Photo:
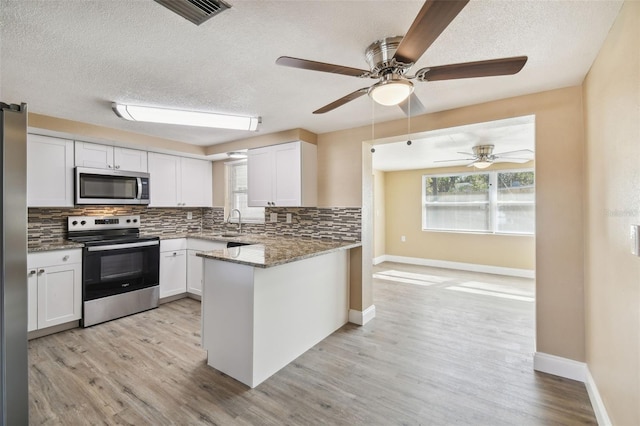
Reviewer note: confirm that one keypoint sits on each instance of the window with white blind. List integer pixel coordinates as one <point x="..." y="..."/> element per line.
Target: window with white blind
<point x="236" y="197"/>
<point x="500" y="201"/>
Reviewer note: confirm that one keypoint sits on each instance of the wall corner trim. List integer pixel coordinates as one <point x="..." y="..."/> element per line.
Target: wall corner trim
<point x="596" y="401"/>
<point x="558" y="366"/>
<point x="362" y="317"/>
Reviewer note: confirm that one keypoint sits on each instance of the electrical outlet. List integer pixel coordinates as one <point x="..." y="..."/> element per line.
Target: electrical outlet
<point x="273" y="217"/>
<point x="288" y="217"/>
<point x="403" y="238"/>
<point x="189" y="215"/>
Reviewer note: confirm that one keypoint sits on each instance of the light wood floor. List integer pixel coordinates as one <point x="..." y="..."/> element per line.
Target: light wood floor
<point x="445" y="348"/>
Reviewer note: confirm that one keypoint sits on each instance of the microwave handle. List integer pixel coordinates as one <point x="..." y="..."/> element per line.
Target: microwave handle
<point x="139" y="188"/>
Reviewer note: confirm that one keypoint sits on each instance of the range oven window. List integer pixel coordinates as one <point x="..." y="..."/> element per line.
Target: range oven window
<point x="116" y="266"/>
<point x="113" y="271"/>
<point x="109" y="187"/>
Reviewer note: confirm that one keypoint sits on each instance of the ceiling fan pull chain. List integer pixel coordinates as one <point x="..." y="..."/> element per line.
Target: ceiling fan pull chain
<point x="409" y="123"/>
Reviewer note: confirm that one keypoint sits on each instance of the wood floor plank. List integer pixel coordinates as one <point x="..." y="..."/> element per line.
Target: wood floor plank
<point x="433" y="355"/>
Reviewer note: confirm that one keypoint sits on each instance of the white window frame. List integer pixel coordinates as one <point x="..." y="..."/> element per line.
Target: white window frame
<point x="492" y="203"/>
<point x="229" y="198"/>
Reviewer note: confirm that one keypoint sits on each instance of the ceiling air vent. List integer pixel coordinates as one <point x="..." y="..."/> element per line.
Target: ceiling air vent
<point x="196" y="11"/>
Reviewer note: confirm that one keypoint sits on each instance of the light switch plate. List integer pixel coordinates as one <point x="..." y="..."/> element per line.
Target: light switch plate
<point x="273" y="217"/>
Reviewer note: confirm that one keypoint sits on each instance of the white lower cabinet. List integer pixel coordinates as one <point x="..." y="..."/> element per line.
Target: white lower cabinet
<point x="54" y="288"/>
<point x="194" y="263"/>
<point x="173" y="267"/>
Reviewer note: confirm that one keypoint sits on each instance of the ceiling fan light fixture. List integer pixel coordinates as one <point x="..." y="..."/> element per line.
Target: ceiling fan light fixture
<point x="481" y="164"/>
<point x="185" y="118"/>
<point x="391" y="91"/>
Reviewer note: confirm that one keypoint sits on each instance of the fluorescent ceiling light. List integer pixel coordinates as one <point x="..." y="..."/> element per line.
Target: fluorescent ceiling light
<point x="391" y="91"/>
<point x="237" y="155"/>
<point x="185" y="118"/>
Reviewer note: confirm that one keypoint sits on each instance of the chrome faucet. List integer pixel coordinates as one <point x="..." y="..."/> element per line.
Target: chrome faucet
<point x="239" y="219"/>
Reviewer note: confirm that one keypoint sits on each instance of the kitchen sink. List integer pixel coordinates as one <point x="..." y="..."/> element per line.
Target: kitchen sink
<point x="236" y="244"/>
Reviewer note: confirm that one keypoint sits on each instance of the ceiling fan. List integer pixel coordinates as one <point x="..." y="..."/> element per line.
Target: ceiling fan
<point x="483" y="156"/>
<point x="391" y="58"/>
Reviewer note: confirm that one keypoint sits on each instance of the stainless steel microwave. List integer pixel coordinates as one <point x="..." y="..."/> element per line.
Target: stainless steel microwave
<point x="102" y="186"/>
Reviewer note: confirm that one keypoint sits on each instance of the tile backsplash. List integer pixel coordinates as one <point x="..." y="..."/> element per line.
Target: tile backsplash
<point x="50" y="224"/>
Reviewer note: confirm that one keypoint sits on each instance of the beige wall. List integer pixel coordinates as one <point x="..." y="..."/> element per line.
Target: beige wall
<point x="612" y="281"/>
<point x="559" y="223"/>
<point x="379" y="214"/>
<point x="404" y="218"/>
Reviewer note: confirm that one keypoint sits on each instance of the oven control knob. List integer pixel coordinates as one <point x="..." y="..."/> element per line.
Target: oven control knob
<point x="74" y="223"/>
<point x="135" y="220"/>
<point x="128" y="220"/>
<point x="83" y="222"/>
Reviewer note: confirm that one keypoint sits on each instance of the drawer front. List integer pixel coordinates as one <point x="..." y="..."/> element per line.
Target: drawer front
<point x="173" y="245"/>
<point x="54" y="257"/>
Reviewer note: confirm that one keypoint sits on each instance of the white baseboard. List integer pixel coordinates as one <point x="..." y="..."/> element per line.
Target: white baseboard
<point x="362" y="317"/>
<point x="559" y="366"/>
<point x="596" y="401"/>
<point x="473" y="267"/>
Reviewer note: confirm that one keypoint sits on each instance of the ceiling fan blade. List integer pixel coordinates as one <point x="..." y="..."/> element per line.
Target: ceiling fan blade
<point x="519" y="151"/>
<point x="466" y="153"/>
<point x="493" y="67"/>
<point x="511" y="160"/>
<point x="305" y="64"/>
<point x="343" y="100"/>
<point x="431" y="21"/>
<point x="412" y="106"/>
<point x="458" y="159"/>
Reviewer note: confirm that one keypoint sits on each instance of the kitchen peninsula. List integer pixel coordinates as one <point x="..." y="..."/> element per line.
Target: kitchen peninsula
<point x="265" y="304"/>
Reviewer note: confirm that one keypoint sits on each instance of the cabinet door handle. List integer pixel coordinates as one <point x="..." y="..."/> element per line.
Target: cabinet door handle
<point x="65" y="258"/>
<point x="175" y="254"/>
<point x="118" y="166"/>
<point x="110" y="166"/>
<point x="32" y="272"/>
<point x="41" y="271"/>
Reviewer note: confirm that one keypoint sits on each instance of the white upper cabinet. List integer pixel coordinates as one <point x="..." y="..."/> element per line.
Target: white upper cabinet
<point x="196" y="182"/>
<point x="164" y="180"/>
<point x="110" y="157"/>
<point x="130" y="159"/>
<point x="283" y="175"/>
<point x="179" y="181"/>
<point x="49" y="172"/>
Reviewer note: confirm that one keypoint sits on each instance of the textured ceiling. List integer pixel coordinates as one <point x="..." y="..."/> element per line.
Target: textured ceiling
<point x="71" y="58"/>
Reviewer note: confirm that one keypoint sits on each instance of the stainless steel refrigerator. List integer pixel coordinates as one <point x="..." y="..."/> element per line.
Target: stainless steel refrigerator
<point x="14" y="391"/>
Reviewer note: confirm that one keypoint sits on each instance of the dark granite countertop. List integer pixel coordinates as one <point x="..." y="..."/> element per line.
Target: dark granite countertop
<point x="264" y="252"/>
<point x="261" y="251"/>
<point x="52" y="245"/>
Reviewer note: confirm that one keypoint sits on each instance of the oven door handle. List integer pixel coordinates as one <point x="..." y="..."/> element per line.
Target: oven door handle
<point x="123" y="246"/>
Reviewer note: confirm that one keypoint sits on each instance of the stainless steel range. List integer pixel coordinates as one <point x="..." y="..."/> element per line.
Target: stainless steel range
<point x="120" y="269"/>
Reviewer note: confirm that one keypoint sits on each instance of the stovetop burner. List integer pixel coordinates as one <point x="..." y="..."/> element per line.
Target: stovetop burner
<point x="96" y="230"/>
